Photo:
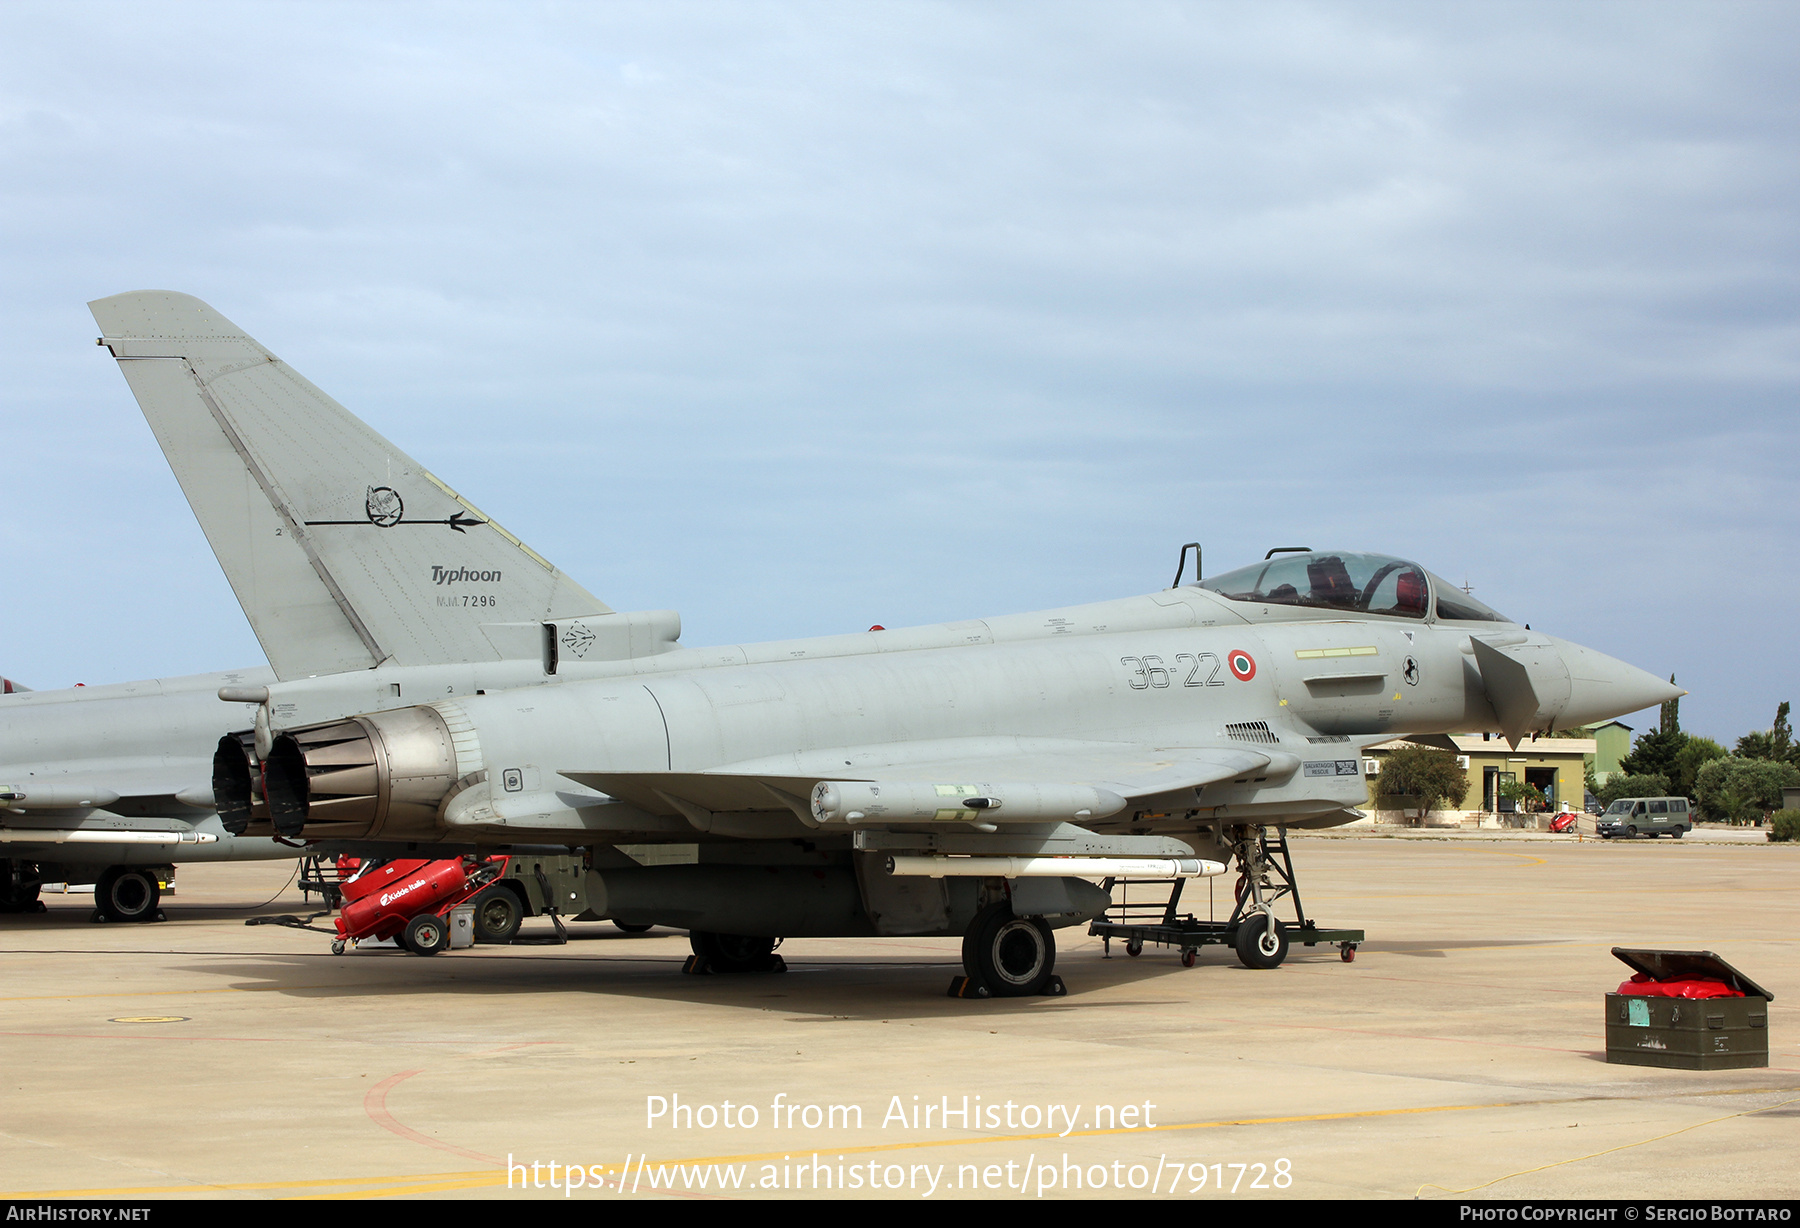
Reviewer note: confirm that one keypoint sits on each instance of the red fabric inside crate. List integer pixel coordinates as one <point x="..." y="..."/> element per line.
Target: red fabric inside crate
<point x="1641" y="986"/>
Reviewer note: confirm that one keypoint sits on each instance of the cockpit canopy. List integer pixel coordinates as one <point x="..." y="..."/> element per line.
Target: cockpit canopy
<point x="1353" y="583"/>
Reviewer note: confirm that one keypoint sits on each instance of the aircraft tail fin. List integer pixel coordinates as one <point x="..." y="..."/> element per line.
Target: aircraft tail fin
<point x="344" y="551"/>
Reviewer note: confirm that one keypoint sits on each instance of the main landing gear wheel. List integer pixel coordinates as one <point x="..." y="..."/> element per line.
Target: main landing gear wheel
<point x="634" y="929"/>
<point x="1013" y="956"/>
<point x="733" y="952"/>
<point x="1262" y="942"/>
<point x="426" y="935"/>
<point x="17" y="892"/>
<point x="125" y="893"/>
<point x="497" y="915"/>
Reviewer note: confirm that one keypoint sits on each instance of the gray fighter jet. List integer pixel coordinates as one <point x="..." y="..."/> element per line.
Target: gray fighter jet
<point x="439" y="684"/>
<point x="109" y="784"/>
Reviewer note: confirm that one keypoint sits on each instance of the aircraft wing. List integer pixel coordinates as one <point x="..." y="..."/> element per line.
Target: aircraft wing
<point x="1132" y="770"/>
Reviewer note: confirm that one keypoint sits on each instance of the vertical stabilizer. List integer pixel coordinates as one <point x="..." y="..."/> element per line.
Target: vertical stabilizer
<point x="344" y="551"/>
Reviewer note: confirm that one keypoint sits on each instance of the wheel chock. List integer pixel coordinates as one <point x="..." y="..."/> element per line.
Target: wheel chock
<point x="696" y="966"/>
<point x="1054" y="988"/>
<point x="967" y="987"/>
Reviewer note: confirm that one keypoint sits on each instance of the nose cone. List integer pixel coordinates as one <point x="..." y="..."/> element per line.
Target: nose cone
<point x="1602" y="687"/>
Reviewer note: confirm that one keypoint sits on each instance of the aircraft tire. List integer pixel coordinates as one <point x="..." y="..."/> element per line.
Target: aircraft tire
<point x="1013" y="956"/>
<point x="20" y="895"/>
<point x="732" y="952"/>
<point x="426" y="934"/>
<point x="498" y="915"/>
<point x="1252" y="952"/>
<point x="126" y="893"/>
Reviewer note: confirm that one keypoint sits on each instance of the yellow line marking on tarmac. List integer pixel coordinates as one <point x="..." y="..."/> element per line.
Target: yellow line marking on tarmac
<point x="426" y="1182"/>
<point x="1530" y="860"/>
<point x="480" y="1181"/>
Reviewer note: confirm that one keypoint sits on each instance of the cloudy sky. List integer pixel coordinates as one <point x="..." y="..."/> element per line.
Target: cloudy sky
<point x="801" y="317"/>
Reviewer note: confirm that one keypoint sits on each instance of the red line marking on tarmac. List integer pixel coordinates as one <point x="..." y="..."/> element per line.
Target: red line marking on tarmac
<point x="375" y="1105"/>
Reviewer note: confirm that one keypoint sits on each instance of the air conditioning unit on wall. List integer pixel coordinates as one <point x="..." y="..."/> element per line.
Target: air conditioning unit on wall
<point x="1462" y="761"/>
<point x="1371" y="767"/>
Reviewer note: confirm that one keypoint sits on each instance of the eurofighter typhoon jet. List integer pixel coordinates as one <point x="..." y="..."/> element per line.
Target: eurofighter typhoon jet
<point x="436" y="683"/>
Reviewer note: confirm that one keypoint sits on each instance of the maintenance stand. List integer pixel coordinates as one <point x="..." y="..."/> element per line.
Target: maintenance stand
<point x="1252" y="931"/>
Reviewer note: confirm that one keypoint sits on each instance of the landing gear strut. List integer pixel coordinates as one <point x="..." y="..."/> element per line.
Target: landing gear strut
<point x="1261" y="940"/>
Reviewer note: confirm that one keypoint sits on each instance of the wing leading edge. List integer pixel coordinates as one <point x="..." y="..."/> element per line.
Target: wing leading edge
<point x="1086" y="773"/>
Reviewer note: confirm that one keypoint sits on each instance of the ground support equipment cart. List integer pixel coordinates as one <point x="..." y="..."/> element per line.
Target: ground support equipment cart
<point x="1159" y="920"/>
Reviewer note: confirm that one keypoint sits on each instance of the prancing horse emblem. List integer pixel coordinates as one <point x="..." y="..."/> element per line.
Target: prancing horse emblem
<point x="1411" y="672"/>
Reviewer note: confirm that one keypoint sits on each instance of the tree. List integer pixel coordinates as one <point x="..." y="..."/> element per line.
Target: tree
<point x="1422" y="777"/>
<point x="1523" y="795"/>
<point x="1620" y="785"/>
<point x="1695" y="755"/>
<point x="1737" y="789"/>
<point x="1654" y="754"/>
<point x="1775" y="743"/>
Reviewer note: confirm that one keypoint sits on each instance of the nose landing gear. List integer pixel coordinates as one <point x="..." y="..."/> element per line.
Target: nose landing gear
<point x="1260" y="939"/>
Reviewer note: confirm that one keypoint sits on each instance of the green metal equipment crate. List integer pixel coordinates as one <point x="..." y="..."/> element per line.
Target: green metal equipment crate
<point x="1688" y="1033"/>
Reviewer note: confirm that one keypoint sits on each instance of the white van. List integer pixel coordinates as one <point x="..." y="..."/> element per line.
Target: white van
<point x="1646" y="816"/>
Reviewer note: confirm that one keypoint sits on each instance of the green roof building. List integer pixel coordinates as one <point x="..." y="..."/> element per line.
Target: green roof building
<point x="1612" y="742"/>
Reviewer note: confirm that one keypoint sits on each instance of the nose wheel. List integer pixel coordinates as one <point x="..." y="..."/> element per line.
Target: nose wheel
<point x="1262" y="942"/>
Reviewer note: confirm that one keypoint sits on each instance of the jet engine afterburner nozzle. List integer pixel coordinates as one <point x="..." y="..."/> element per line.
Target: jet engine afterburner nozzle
<point x="231" y="783"/>
<point x="379" y="776"/>
<point x="285" y="786"/>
